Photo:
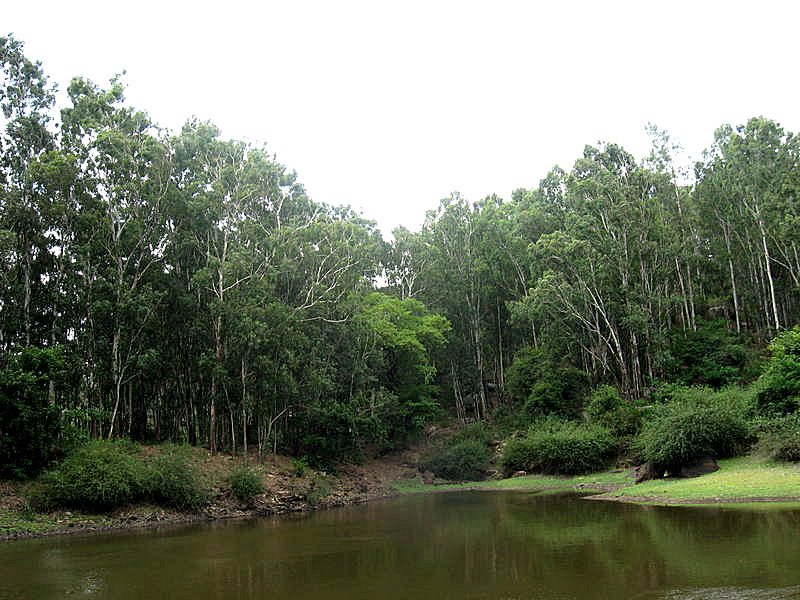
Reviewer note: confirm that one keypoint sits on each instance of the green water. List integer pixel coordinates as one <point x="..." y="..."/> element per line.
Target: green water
<point x="503" y="545"/>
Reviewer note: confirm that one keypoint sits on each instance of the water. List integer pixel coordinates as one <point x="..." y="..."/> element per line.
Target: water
<point x="499" y="545"/>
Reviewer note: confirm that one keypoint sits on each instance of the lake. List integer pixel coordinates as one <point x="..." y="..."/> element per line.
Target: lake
<point x="499" y="545"/>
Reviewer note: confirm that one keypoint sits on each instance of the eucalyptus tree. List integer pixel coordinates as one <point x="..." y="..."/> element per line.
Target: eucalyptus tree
<point x="126" y="171"/>
<point x="225" y="189"/>
<point x="26" y="98"/>
<point x="747" y="189"/>
<point x="609" y="267"/>
<point x="456" y="280"/>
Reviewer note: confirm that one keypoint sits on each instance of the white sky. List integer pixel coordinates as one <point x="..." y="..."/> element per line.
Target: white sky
<point x="390" y="106"/>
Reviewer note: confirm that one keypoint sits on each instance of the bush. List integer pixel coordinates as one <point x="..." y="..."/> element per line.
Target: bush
<point x="321" y="487"/>
<point x="779" y="439"/>
<point x="780" y="383"/>
<point x="29" y="423"/>
<point x="529" y="366"/>
<point x="170" y="481"/>
<point x="300" y="466"/>
<point x="464" y="460"/>
<point x="545" y="388"/>
<point x="607" y="408"/>
<point x="245" y="484"/>
<point x="559" y="393"/>
<point x="99" y="476"/>
<point x="565" y="448"/>
<point x="102" y="476"/>
<point x="711" y="355"/>
<point x="700" y="423"/>
<point x="476" y="432"/>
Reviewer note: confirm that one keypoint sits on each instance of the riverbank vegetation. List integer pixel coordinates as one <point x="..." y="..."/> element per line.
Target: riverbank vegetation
<point x="178" y="287"/>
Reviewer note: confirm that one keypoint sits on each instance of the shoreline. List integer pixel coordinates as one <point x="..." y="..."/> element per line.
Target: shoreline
<point x="739" y="481"/>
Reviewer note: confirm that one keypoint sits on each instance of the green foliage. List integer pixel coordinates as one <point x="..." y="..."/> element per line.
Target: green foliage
<point x="780" y="382"/>
<point x="171" y="481"/>
<point x="320" y="488"/>
<point x="99" y="476"/>
<point x="300" y="466"/>
<point x="166" y="263"/>
<point x="401" y="336"/>
<point x="697" y="422"/>
<point x="103" y="475"/>
<point x="464" y="460"/>
<point x="608" y="408"/>
<point x="245" y="484"/>
<point x="29" y="423"/>
<point x="475" y="432"/>
<point x="530" y="365"/>
<point x="545" y="388"/>
<point x="509" y="418"/>
<point x="560" y="392"/>
<point x="329" y="430"/>
<point x="711" y="355"/>
<point x="779" y="438"/>
<point x="559" y="447"/>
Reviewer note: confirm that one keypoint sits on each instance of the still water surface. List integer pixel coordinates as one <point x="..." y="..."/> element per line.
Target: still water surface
<point x="499" y="545"/>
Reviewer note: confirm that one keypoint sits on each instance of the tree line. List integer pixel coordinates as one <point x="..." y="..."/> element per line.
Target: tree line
<point x="184" y="286"/>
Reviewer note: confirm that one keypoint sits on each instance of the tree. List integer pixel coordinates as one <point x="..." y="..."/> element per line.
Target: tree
<point x="29" y="419"/>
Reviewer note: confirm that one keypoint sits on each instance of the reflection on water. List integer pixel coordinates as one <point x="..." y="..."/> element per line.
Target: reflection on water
<point x="734" y="593"/>
<point x="510" y="545"/>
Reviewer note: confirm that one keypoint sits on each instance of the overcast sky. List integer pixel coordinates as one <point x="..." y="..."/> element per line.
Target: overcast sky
<point x="391" y="106"/>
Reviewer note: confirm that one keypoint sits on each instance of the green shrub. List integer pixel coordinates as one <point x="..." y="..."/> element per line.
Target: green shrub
<point x="464" y="460"/>
<point x="608" y="408"/>
<point x="545" y="388"/>
<point x="508" y="419"/>
<point x="710" y="355"/>
<point x="780" y="382"/>
<point x="698" y="424"/>
<point x="300" y="466"/>
<point x="99" y="476"/>
<point x="102" y="476"/>
<point x="170" y="481"/>
<point x="565" y="448"/>
<point x="529" y="366"/>
<point x="561" y="393"/>
<point x="779" y="438"/>
<point x="476" y="432"/>
<point x="321" y="488"/>
<point x="245" y="484"/>
<point x="29" y="422"/>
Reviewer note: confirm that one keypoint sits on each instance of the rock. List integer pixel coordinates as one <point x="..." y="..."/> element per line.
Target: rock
<point x="645" y="472"/>
<point x="520" y="474"/>
<point x="704" y="466"/>
<point x="427" y="478"/>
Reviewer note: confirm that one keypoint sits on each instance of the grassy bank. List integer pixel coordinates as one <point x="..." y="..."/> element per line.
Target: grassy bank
<point x="604" y="480"/>
<point x="740" y="479"/>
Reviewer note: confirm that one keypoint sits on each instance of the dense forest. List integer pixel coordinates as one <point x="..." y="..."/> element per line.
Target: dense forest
<point x="181" y="286"/>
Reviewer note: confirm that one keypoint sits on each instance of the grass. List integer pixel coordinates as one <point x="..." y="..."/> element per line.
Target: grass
<point x="528" y="482"/>
<point x="738" y="478"/>
<point x="14" y="523"/>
